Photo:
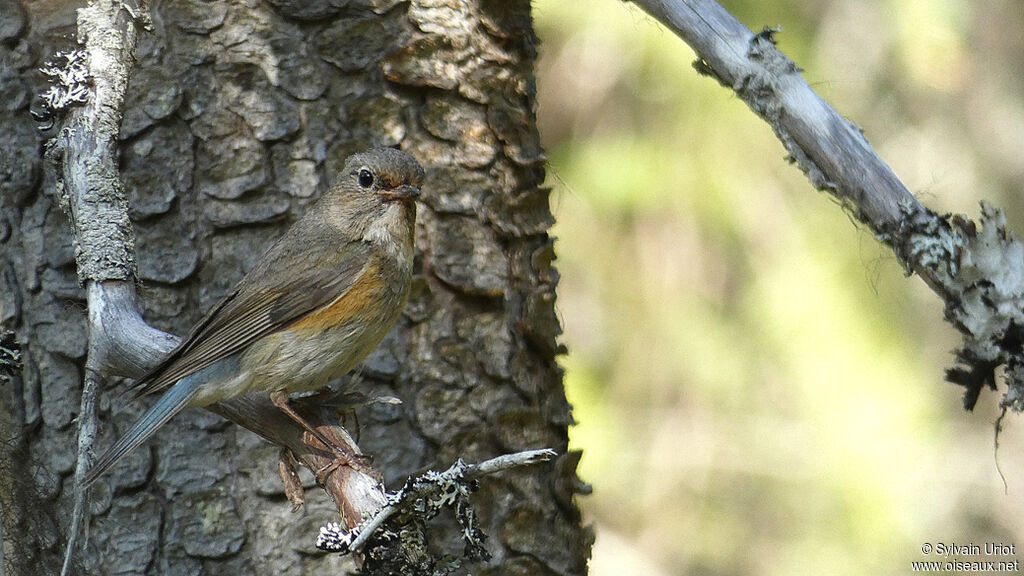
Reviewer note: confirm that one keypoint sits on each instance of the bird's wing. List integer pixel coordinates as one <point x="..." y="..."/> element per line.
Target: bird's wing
<point x="265" y="301"/>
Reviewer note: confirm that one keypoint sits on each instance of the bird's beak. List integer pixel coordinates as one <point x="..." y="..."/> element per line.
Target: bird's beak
<point x="403" y="192"/>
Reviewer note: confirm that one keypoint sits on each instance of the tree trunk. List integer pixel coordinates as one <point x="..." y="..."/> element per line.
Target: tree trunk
<point x="238" y="115"/>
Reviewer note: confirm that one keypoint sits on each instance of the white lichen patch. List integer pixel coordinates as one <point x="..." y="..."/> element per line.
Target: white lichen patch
<point x="70" y="84"/>
<point x="981" y="271"/>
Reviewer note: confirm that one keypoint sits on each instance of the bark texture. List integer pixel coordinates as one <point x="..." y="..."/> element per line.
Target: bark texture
<point x="238" y="115"/>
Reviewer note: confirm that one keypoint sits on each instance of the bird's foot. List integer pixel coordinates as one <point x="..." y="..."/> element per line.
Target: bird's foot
<point x="359" y="462"/>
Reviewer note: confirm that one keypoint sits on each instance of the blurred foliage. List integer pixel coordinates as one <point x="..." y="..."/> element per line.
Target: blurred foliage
<point x="759" y="389"/>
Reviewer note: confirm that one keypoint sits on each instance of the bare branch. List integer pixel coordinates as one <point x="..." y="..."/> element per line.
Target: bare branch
<point x="121" y="343"/>
<point x="829" y="149"/>
<point x="91" y="191"/>
<point x="978" y="271"/>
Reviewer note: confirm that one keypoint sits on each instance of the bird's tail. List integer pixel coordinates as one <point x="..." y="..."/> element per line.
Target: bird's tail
<point x="176" y="398"/>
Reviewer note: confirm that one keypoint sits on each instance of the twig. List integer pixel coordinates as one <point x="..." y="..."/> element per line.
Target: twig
<point x="431" y="491"/>
<point x="86" y="435"/>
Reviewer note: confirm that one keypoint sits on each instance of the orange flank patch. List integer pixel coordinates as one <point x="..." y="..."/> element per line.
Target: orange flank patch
<point x="357" y="301"/>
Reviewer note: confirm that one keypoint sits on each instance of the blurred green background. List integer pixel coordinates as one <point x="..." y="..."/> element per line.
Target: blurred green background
<point x="758" y="387"/>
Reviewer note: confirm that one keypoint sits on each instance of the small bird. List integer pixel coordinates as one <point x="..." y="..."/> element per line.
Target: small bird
<point x="317" y="303"/>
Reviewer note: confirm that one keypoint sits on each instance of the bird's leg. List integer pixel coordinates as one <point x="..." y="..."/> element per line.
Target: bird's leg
<point x="343" y="457"/>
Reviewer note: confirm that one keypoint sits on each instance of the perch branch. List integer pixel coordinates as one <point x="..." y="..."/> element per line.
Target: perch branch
<point x="424" y="495"/>
<point x="978" y="271"/>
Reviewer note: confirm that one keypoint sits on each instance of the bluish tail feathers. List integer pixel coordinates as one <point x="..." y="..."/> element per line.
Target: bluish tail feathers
<point x="176" y="398"/>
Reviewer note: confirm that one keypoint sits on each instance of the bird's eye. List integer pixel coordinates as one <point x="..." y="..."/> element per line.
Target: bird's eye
<point x="365" y="178"/>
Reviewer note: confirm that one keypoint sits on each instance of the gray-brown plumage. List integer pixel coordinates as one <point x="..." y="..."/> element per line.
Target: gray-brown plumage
<point x="319" y="301"/>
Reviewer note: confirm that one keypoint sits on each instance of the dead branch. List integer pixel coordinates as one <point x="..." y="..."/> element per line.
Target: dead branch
<point x="977" y="269"/>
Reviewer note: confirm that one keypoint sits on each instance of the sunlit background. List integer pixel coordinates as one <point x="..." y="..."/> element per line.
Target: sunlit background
<point x="758" y="387"/>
